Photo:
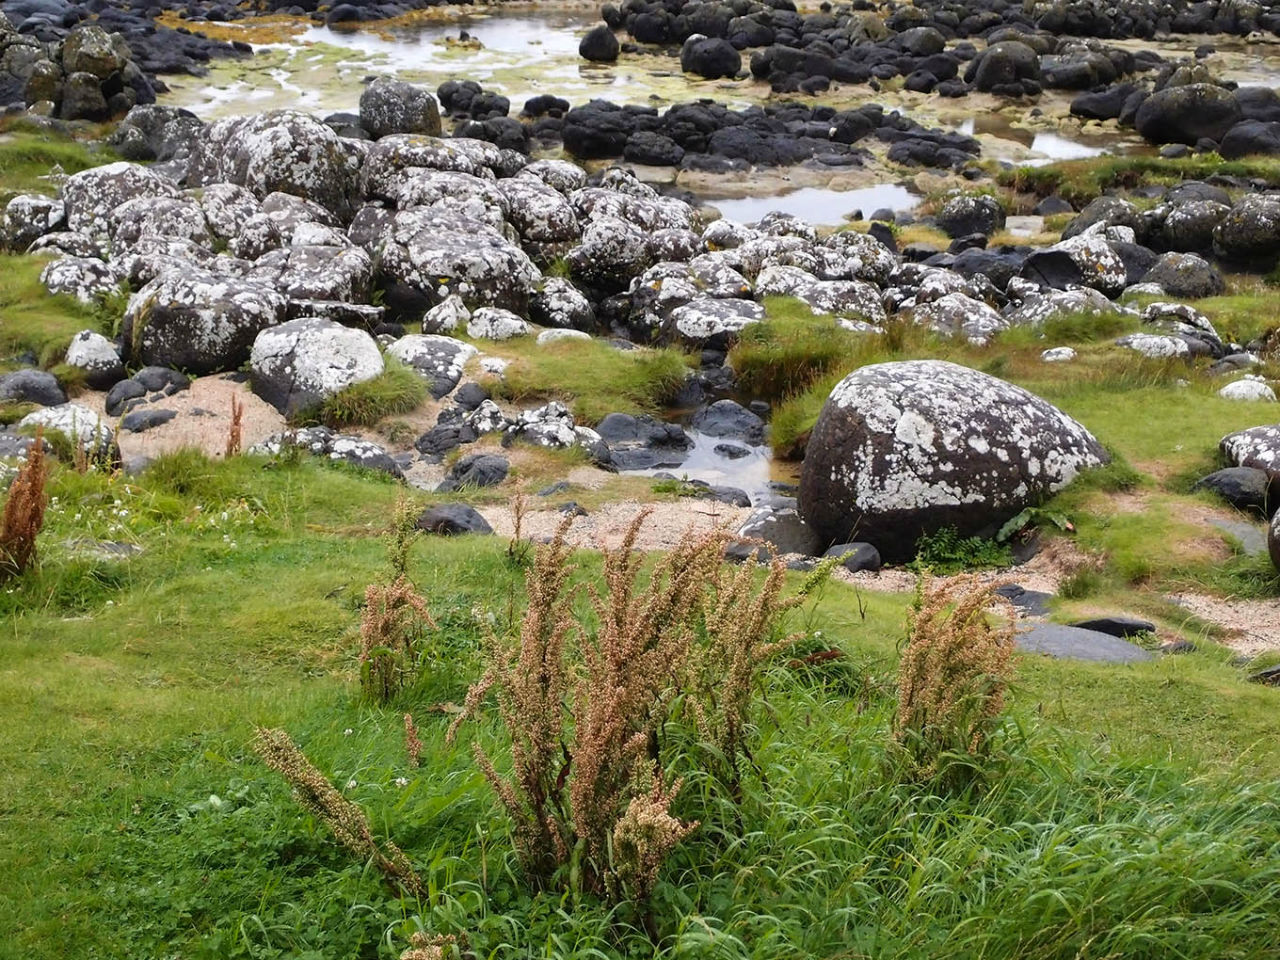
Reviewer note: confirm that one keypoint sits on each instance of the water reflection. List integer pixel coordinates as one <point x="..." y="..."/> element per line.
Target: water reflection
<point x="825" y="207"/>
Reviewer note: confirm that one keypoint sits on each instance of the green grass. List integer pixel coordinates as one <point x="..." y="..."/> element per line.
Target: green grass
<point x="1132" y="812"/>
<point x="591" y="377"/>
<point x="790" y="350"/>
<point x="28" y="154"/>
<point x="1079" y="181"/>
<point x="394" y="391"/>
<point x="31" y="319"/>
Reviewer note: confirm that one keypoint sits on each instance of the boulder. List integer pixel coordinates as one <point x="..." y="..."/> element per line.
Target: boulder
<point x="731" y="420"/>
<point x="710" y="57"/>
<point x="1250" y="230"/>
<point x="1186" y="275"/>
<point x="643" y="443"/>
<point x="963" y="216"/>
<point x="452" y="519"/>
<point x="1273" y="540"/>
<point x="474" y="471"/>
<point x="437" y="359"/>
<point x="32" y="386"/>
<point x="28" y="218"/>
<point x="284" y="151"/>
<point x="199" y="321"/>
<point x="855" y="556"/>
<point x="78" y="424"/>
<point x="907" y="448"/>
<point x="1257" y="447"/>
<point x="390" y="106"/>
<point x="298" y="365"/>
<point x="1245" y="488"/>
<point x="599" y="45"/>
<point x="97" y="357"/>
<point x="1249" y="138"/>
<point x="1187" y="114"/>
<point x="91" y="195"/>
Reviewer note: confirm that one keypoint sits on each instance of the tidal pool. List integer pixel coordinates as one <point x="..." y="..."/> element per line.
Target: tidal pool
<point x="751" y="473"/>
<point x="824" y="207"/>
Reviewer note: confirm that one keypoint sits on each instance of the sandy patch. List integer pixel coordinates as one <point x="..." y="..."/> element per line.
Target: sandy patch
<point x="205" y="430"/>
<point x="605" y="527"/>
<point x="1252" y="626"/>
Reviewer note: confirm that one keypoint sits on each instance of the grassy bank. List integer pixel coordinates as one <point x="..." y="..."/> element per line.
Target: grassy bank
<point x="1123" y="818"/>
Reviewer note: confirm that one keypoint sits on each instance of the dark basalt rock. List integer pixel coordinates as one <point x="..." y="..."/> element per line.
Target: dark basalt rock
<point x="452" y="519"/>
<point x="903" y="449"/>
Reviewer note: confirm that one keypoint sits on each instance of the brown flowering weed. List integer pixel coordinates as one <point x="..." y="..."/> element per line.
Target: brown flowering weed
<point x="24" y="512"/>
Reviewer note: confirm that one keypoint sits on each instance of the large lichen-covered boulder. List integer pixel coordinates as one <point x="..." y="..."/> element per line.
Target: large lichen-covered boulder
<point x="300" y="364"/>
<point x="283" y="151"/>
<point x="1257" y="447"/>
<point x="317" y="273"/>
<point x="390" y="106"/>
<point x="199" y="321"/>
<point x="90" y="196"/>
<point x="439" y="253"/>
<point x="908" y="448"/>
<point x="27" y="218"/>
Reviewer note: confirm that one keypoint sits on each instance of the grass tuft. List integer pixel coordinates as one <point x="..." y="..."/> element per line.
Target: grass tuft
<point x="396" y="390"/>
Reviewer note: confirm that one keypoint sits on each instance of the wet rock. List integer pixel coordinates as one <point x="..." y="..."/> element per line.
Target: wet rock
<point x="599" y="45"/>
<point x="710" y="57"/>
<point x="643" y="443"/>
<point x="97" y="357"/>
<point x="730" y="420"/>
<point x="452" y="519"/>
<point x="475" y="471"/>
<point x="298" y="365"/>
<point x="902" y="449"/>
<point x="32" y="386"/>
<point x="390" y="106"/>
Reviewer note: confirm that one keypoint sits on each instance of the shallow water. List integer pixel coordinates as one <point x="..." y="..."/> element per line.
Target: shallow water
<point x="824" y="207"/>
<point x="1040" y="146"/>
<point x="751" y="473"/>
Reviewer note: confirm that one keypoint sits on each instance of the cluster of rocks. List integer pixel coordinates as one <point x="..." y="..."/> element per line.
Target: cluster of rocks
<point x="1186" y="108"/>
<point x="88" y="75"/>
<point x="701" y="135"/>
<point x="806" y="53"/>
<point x="145" y="48"/>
